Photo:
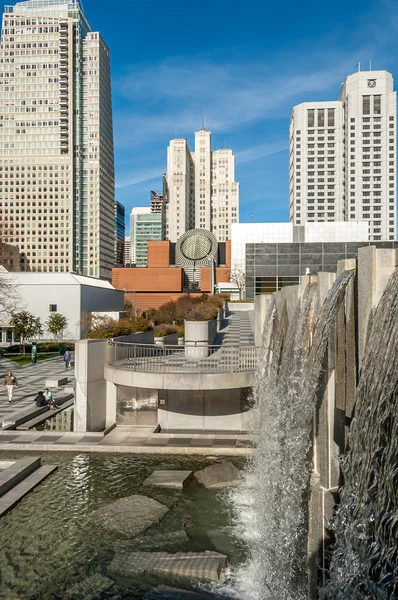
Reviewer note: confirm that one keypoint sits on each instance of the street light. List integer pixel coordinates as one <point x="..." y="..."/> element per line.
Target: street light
<point x="212" y="262"/>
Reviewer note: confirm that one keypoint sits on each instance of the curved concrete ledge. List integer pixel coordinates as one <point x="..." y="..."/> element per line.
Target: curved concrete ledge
<point x="178" y="381"/>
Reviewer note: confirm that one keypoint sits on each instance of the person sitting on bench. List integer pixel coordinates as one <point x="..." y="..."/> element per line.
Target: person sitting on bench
<point x="49" y="399"/>
<point x="40" y="400"/>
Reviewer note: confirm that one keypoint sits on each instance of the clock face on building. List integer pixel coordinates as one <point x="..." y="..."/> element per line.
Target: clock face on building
<point x="196" y="247"/>
<point x="371" y="82"/>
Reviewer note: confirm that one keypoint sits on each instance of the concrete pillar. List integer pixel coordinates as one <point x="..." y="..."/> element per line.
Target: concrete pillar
<point x="90" y="395"/>
<point x="111" y="399"/>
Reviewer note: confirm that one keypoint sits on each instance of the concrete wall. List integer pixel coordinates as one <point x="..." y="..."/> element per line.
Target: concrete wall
<point x="241" y="306"/>
<point x="141" y="337"/>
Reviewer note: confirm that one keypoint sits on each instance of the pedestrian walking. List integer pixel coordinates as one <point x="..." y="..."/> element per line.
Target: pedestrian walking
<point x="67" y="358"/>
<point x="10" y="381"/>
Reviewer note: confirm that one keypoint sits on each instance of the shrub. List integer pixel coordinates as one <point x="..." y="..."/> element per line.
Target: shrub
<point x="164" y="329"/>
<point x="180" y="330"/>
<point x="109" y="328"/>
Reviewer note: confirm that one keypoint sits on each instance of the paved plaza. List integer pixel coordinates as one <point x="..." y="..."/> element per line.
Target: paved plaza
<point x="31" y="379"/>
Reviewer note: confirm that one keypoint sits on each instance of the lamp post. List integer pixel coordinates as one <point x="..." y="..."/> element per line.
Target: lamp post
<point x="212" y="262"/>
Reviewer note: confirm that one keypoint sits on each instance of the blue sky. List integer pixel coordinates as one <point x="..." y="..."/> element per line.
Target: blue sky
<point x="249" y="63"/>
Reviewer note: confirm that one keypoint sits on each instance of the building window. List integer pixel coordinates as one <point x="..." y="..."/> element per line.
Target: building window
<point x="321" y="117"/>
<point x="53" y="308"/>
<point x="330" y="117"/>
<point x="376" y="105"/>
<point x="366" y="105"/>
<point x="311" y="117"/>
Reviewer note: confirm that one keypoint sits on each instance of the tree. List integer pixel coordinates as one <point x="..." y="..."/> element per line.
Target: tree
<point x="56" y="324"/>
<point x="9" y="297"/>
<point x="239" y="279"/>
<point x="26" y="326"/>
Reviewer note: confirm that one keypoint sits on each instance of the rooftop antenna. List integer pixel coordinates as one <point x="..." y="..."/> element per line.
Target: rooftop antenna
<point x="359" y="66"/>
<point x="370" y="64"/>
<point x="203" y="116"/>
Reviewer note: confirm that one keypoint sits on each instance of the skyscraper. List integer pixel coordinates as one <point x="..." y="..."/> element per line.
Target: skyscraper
<point x="56" y="138"/>
<point x="146" y="224"/>
<point x="200" y="190"/>
<point x="343" y="156"/>
<point x="120" y="229"/>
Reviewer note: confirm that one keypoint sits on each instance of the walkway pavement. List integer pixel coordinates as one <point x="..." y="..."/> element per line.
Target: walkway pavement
<point x="121" y="440"/>
<point x="31" y="379"/>
<point x="238" y="330"/>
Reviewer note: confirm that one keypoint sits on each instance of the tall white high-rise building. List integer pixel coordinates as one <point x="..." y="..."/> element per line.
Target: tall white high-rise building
<point x="200" y="190"/>
<point x="56" y="138"/>
<point x="343" y="156"/>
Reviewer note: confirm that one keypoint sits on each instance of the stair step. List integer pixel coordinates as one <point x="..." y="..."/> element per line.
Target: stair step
<point x="22" y="489"/>
<point x="17" y="472"/>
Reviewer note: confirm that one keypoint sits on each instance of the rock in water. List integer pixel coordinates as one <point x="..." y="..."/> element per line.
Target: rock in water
<point x="203" y="566"/>
<point x="92" y="586"/>
<point x="164" y="592"/>
<point x="130" y="515"/>
<point x="169" y="479"/>
<point x="220" y="475"/>
<point x="172" y="541"/>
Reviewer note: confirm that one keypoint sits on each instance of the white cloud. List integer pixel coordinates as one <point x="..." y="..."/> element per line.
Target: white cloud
<point x="135" y="177"/>
<point x="259" y="151"/>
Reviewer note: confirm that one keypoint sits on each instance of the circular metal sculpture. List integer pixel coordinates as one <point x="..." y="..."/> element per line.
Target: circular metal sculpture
<point x="196" y="247"/>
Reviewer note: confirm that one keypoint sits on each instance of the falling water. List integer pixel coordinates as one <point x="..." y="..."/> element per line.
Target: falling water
<point x="271" y="509"/>
<point x="365" y="560"/>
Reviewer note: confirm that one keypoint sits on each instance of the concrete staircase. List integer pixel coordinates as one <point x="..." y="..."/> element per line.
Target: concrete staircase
<point x="18" y="478"/>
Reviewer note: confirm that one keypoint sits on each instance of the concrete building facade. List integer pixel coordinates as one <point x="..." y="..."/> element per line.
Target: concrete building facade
<point x="287" y="233"/>
<point x="127" y="250"/>
<point x="74" y="296"/>
<point x="56" y="139"/>
<point x="200" y="190"/>
<point x="272" y="267"/>
<point x="343" y="156"/>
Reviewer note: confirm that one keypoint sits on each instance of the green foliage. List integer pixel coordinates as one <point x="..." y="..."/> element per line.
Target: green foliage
<point x="190" y="308"/>
<point x="26" y="326"/>
<point x="41" y="347"/>
<point x="26" y="360"/>
<point x="56" y="324"/>
<point x="109" y="328"/>
<point x="164" y="329"/>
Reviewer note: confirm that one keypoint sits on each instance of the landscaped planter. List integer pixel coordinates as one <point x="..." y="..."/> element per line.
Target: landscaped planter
<point x="167" y="340"/>
<point x="141" y="337"/>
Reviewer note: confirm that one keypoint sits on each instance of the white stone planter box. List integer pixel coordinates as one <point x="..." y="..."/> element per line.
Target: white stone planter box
<point x="198" y="336"/>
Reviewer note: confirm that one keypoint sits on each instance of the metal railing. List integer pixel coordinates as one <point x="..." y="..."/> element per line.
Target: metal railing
<point x="181" y="359"/>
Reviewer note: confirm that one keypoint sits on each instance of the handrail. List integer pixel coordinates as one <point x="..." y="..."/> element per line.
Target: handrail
<point x="199" y="358"/>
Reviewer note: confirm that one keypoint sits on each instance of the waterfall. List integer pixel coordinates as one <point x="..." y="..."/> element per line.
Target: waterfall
<point x="270" y="510"/>
<point x="365" y="560"/>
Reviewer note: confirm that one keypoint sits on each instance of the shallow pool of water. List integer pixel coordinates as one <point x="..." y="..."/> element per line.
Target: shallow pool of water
<point x="49" y="541"/>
